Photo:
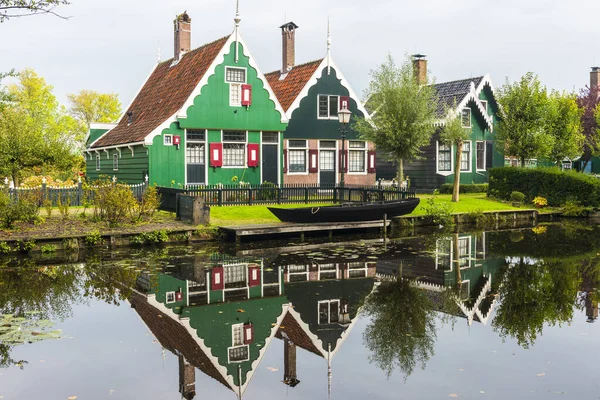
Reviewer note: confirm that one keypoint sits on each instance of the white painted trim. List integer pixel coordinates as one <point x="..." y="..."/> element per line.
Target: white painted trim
<point x="132" y="149"/>
<point x="467" y="171"/>
<point x="366" y="161"/>
<point x="167" y="297"/>
<point x="313" y="80"/>
<point x="229" y="142"/>
<point x="128" y="145"/>
<point x="437" y="161"/>
<point x="328" y="117"/>
<point x="168" y="135"/>
<point x="473" y="95"/>
<point x="98" y="162"/>
<point x="117" y="161"/>
<point x="107" y="153"/>
<point x="306" y="157"/>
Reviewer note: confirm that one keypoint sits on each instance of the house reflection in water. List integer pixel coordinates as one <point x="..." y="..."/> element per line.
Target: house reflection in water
<point x="223" y="318"/>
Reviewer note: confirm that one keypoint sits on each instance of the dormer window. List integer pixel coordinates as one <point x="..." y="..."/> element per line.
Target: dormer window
<point x="484" y="103"/>
<point x="328" y="106"/>
<point x="236" y="77"/>
<point x="466" y="117"/>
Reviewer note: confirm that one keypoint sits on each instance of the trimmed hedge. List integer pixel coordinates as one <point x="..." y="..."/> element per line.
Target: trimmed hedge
<point x="555" y="185"/>
<point x="446" y="188"/>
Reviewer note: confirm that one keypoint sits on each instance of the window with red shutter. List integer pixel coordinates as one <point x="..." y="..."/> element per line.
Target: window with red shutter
<point x="216" y="154"/>
<point x="252" y="155"/>
<point x="246" y="95"/>
<point x="313" y="161"/>
<point x="371" y="162"/>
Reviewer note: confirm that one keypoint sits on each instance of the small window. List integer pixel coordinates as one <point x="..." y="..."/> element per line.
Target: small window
<point x="356" y="157"/>
<point x="328" y="106"/>
<point x="334" y="101"/>
<point x="170" y="297"/>
<point x="270" y="137"/>
<point x="115" y="162"/>
<point x="444" y="157"/>
<point x="329" y="311"/>
<point x="484" y="103"/>
<point x="168" y="140"/>
<point x="297" y="160"/>
<point x="327" y="144"/>
<point x="466" y="117"/>
<point x="234" y="149"/>
<point x="356" y="145"/>
<point x="238" y="354"/>
<point x="97" y="162"/>
<point x="297" y="143"/>
<point x="480" y="156"/>
<point x="465" y="157"/>
<point x="237" y="335"/>
<point x="235" y="94"/>
<point x="235" y="75"/>
<point x="196" y="135"/>
<point x="234" y="136"/>
<point x="323" y="107"/>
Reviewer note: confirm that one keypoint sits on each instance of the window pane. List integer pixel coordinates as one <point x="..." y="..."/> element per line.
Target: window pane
<point x="465" y="157"/>
<point x="234" y="154"/>
<point x="235" y="94"/>
<point x="327" y="144"/>
<point x="297" y="143"/>
<point x="466" y="117"/>
<point x="270" y="137"/>
<point x="235" y="75"/>
<point x="196" y="135"/>
<point x="323" y="313"/>
<point x="334" y="308"/>
<point x="356" y="145"/>
<point x="327" y="160"/>
<point x="195" y="153"/>
<point x="297" y="161"/>
<point x="323" y="113"/>
<point x="115" y="162"/>
<point x="480" y="155"/>
<point x="238" y="335"/>
<point x="238" y="353"/>
<point x="234" y="136"/>
<point x="444" y="157"/>
<point x="356" y="161"/>
<point x="334" y="102"/>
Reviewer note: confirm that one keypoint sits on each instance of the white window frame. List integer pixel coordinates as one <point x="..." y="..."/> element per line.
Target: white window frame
<point x="461" y="117"/>
<point x="245" y="143"/>
<point x="306" y="156"/>
<point x="470" y="169"/>
<point x="236" y="86"/>
<point x="237" y="346"/>
<point x="437" y="160"/>
<point x="484" y="155"/>
<point x="98" y="162"/>
<point x="167" y="297"/>
<point x="329" y="96"/>
<point x="168" y="140"/>
<point x="328" y="310"/>
<point x="361" y="149"/>
<point x="484" y="103"/>
<point x="115" y="162"/>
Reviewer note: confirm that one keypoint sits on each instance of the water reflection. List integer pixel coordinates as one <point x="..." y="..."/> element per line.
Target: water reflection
<point x="221" y="313"/>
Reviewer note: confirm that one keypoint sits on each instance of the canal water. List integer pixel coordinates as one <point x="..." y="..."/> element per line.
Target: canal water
<point x="479" y="315"/>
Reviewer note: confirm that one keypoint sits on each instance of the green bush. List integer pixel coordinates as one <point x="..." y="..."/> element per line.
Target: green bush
<point x="517" y="197"/>
<point x="48" y="248"/>
<point x="25" y="209"/>
<point x="150" y="237"/>
<point x="555" y="185"/>
<point x="113" y="202"/>
<point x="5" y="248"/>
<point x="25" y="245"/>
<point x="268" y="191"/>
<point x="574" y="209"/>
<point x="447" y="188"/>
<point x="93" y="238"/>
<point x="441" y="213"/>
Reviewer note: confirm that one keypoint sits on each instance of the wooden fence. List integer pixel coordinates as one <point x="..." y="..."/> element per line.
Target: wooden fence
<point x="236" y="195"/>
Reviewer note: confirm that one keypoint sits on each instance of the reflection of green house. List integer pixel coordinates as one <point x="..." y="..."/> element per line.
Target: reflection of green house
<point x="224" y="336"/>
<point x="203" y="117"/>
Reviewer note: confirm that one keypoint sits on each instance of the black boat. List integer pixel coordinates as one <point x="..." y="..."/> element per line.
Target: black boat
<point x="349" y="212"/>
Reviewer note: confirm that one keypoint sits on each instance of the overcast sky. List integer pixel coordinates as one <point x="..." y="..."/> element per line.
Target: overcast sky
<point x="111" y="45"/>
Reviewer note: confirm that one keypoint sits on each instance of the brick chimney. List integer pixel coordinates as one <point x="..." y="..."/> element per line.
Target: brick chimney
<point x="288" y="42"/>
<point x="290" y="377"/>
<point x="187" y="379"/>
<point x="420" y="68"/>
<point x="183" y="34"/>
<point x="595" y="77"/>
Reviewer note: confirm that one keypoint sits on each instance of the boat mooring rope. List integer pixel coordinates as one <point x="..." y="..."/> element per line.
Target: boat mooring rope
<point x="313" y="211"/>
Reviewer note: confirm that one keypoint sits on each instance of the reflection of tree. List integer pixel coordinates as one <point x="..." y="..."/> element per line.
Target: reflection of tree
<point x="534" y="295"/>
<point x="402" y="329"/>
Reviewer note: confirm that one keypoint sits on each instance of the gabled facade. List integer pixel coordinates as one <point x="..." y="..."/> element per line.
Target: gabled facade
<point x="206" y="116"/>
<point x="311" y="95"/>
<point x="474" y="100"/>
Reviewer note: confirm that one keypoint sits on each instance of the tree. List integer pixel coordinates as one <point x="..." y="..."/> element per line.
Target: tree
<point x="522" y="129"/>
<point x="89" y="106"/>
<point x="589" y="101"/>
<point x="564" y="125"/>
<point x="404" y="116"/>
<point x="34" y="130"/>
<point x="453" y="133"/>
<point x="23" y="8"/>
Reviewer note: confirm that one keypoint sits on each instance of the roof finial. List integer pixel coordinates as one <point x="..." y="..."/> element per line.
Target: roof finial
<point x="328" y="46"/>
<point x="237" y="20"/>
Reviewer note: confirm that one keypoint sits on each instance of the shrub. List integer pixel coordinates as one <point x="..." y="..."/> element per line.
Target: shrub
<point x="147" y="205"/>
<point x="112" y="202"/>
<point x="70" y="244"/>
<point x="268" y="191"/>
<point x="447" y="188"/>
<point x="540" y="201"/>
<point x="572" y="208"/>
<point x="440" y="212"/>
<point x="48" y="248"/>
<point x="480" y="219"/>
<point x="4" y="248"/>
<point x="48" y="207"/>
<point x="93" y="238"/>
<point x="517" y="197"/>
<point x="25" y="245"/>
<point x="150" y="237"/>
<point x="555" y="185"/>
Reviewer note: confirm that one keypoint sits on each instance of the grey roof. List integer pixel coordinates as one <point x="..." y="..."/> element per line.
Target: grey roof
<point x="451" y="93"/>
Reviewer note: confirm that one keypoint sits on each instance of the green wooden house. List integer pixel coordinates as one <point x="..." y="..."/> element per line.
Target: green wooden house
<point x="474" y="100"/>
<point x="311" y="94"/>
<point x="206" y="116"/>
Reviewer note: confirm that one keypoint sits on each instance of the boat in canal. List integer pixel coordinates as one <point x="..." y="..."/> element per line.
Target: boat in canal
<point x="348" y="212"/>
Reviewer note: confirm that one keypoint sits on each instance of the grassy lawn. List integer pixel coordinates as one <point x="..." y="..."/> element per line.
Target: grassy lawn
<point x="242" y="215"/>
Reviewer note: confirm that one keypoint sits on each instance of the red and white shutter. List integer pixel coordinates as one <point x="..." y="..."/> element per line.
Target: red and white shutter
<point x="313" y="161"/>
<point x="178" y="296"/>
<point x="216" y="154"/>
<point x="217" y="279"/>
<point x="252" y="155"/>
<point x="344" y="102"/>
<point x="246" y="95"/>
<point x="253" y="276"/>
<point x="371" y="161"/>
<point x="248" y="333"/>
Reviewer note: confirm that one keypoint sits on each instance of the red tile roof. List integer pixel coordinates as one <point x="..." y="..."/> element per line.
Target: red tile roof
<point x="289" y="88"/>
<point x="296" y="334"/>
<point x="163" y="95"/>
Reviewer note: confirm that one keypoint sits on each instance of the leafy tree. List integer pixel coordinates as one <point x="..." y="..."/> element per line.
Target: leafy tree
<point x="23" y="8"/>
<point x="522" y="129"/>
<point x="34" y="130"/>
<point x="589" y="101"/>
<point x="402" y="331"/>
<point x="404" y="116"/>
<point x="564" y="124"/>
<point x="453" y="133"/>
<point x="89" y="106"/>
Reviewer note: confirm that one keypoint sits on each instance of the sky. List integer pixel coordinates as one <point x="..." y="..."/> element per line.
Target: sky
<point x="111" y="45"/>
